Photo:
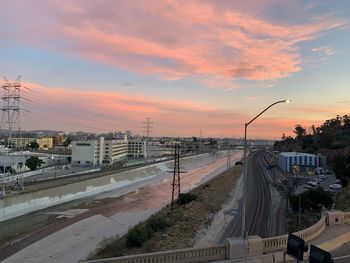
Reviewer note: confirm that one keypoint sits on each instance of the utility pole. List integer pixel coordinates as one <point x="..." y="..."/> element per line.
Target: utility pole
<point x="228" y="159"/>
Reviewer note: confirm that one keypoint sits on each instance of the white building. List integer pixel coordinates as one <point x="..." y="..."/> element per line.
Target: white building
<point x="305" y="162"/>
<point x="89" y="152"/>
<point x="137" y="148"/>
<point x="97" y="152"/>
<point x="14" y="163"/>
<point x="115" y="150"/>
<point x="157" y="149"/>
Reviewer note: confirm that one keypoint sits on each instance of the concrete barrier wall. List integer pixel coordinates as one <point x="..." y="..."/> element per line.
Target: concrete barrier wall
<point x="346" y="217"/>
<point x="272" y="244"/>
<point x="175" y="256"/>
<point x="220" y="252"/>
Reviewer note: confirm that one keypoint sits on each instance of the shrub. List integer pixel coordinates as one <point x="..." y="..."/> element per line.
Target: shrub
<point x="186" y="198"/>
<point x="157" y="223"/>
<point x="239" y="163"/>
<point x="137" y="236"/>
<point x="312" y="199"/>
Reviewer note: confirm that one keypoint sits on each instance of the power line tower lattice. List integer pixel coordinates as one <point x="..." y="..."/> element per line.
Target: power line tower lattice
<point x="148" y="130"/>
<point x="176" y="185"/>
<point x="10" y="119"/>
<point x="10" y="125"/>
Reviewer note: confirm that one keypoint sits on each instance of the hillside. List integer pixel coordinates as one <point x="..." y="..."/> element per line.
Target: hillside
<point x="331" y="139"/>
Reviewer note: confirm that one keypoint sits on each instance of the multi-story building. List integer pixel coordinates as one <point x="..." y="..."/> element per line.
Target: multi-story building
<point x="45" y="142"/>
<point x="88" y="152"/>
<point x="160" y="149"/>
<point x="137" y="148"/>
<point x="115" y="150"/>
<point x="306" y="162"/>
<point x="58" y="139"/>
<point x="98" y="152"/>
<point x="21" y="142"/>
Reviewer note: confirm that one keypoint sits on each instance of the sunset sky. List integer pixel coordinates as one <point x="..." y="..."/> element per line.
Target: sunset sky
<point x="191" y="66"/>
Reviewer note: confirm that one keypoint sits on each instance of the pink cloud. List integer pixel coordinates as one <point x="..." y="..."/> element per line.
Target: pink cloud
<point x="175" y="39"/>
<point x="63" y="108"/>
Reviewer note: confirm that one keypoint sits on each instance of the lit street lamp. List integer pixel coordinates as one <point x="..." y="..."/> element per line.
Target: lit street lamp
<point x="244" y="233"/>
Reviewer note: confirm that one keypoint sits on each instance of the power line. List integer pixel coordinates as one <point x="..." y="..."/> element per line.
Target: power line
<point x="72" y="122"/>
<point x="126" y="123"/>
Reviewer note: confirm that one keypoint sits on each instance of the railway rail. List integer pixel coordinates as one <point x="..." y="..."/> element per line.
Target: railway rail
<point x="258" y="202"/>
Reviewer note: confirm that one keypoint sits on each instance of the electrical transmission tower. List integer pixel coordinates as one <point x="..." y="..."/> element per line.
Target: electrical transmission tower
<point x="176" y="185"/>
<point x="148" y="130"/>
<point x="148" y="127"/>
<point x="10" y="125"/>
<point x="10" y="119"/>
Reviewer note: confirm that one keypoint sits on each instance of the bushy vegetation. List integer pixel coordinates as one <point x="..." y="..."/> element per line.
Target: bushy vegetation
<point x="311" y="200"/>
<point x="239" y="163"/>
<point x="331" y="139"/>
<point x="137" y="236"/>
<point x="141" y="233"/>
<point x="33" y="162"/>
<point x="186" y="198"/>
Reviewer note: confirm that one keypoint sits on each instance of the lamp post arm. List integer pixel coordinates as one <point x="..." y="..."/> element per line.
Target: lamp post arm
<point x="280" y="101"/>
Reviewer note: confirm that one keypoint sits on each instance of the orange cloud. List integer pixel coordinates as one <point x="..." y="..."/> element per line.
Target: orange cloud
<point x="63" y="108"/>
<point x="175" y="39"/>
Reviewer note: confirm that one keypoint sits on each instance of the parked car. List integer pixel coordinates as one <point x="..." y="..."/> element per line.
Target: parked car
<point x="335" y="186"/>
<point x="307" y="186"/>
<point x="312" y="183"/>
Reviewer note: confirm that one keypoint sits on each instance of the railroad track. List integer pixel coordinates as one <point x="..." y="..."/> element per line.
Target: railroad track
<point x="258" y="212"/>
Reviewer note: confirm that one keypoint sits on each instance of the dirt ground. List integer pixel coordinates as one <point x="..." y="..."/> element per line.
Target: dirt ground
<point x="184" y="221"/>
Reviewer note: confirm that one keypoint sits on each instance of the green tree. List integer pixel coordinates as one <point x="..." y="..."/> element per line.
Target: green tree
<point x="299" y="131"/>
<point x="34" y="145"/>
<point x="312" y="199"/>
<point x="33" y="163"/>
<point x="67" y="142"/>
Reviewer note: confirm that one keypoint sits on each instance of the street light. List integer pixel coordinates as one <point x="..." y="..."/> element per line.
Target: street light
<point x="244" y="233"/>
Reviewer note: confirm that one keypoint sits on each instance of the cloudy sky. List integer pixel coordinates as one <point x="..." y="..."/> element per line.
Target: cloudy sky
<point x="191" y="66"/>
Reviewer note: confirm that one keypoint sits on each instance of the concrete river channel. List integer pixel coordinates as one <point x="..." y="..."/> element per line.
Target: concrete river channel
<point x="17" y="205"/>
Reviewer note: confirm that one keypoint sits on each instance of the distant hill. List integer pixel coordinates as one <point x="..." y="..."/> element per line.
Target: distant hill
<point x="331" y="139"/>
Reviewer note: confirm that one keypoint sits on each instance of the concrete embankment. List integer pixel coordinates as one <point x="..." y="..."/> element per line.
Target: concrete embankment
<point x="17" y="205"/>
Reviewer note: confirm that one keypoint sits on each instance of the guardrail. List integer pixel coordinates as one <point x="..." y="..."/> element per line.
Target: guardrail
<point x="272" y="244"/>
<point x="173" y="256"/>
